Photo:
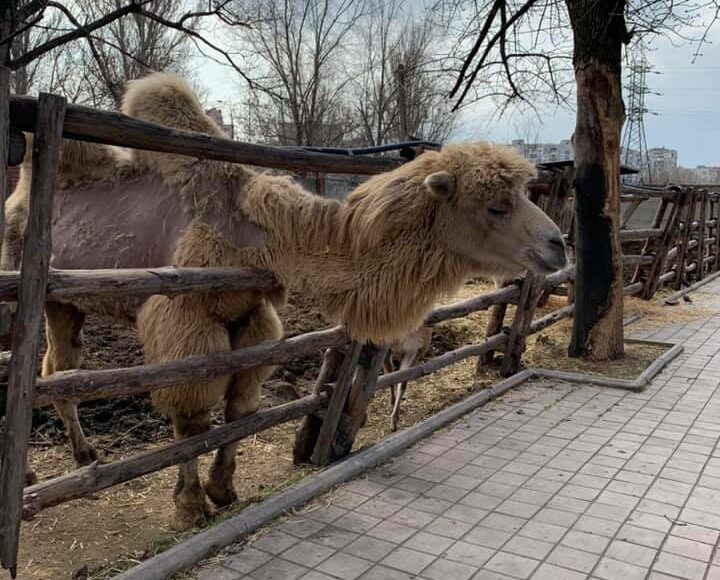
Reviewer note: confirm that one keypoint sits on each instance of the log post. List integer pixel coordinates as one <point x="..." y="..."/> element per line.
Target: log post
<point x="495" y="326"/>
<point x="26" y="334"/>
<point x="687" y="201"/>
<point x="646" y="249"/>
<point x="702" y="229"/>
<point x="307" y="434"/>
<point x="716" y="216"/>
<point x="340" y="393"/>
<point x="368" y="371"/>
<point x="662" y="249"/>
<point x="529" y="294"/>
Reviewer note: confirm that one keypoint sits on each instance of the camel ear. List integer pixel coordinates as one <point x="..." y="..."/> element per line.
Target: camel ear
<point x="441" y="184"/>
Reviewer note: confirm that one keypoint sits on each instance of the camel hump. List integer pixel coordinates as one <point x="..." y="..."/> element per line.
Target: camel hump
<point x="168" y="100"/>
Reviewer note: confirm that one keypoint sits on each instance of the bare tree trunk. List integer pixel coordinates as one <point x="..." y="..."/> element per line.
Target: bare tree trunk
<point x="599" y="30"/>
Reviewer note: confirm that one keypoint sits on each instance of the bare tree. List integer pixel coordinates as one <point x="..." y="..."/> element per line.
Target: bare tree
<point x="297" y="47"/>
<point x="513" y="48"/>
<point x="398" y="92"/>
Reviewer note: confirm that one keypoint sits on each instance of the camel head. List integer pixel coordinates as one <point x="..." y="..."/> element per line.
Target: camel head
<point x="481" y="189"/>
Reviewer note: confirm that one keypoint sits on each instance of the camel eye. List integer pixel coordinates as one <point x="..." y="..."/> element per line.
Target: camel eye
<point x="498" y="211"/>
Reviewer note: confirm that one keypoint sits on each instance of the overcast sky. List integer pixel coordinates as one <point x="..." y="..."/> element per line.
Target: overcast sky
<point x="688" y="107"/>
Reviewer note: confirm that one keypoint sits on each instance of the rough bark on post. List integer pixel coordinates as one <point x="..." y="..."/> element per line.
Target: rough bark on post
<point x="662" y="247"/>
<point x="688" y="206"/>
<point x="368" y="370"/>
<point x="702" y="231"/>
<point x="599" y="33"/>
<point x="29" y="319"/>
<point x="340" y="392"/>
<point x="529" y="295"/>
<point x="495" y="326"/>
<point x="307" y="434"/>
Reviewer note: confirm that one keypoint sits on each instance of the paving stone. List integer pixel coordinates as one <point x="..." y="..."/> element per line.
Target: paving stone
<point x="448" y="570"/>
<point x="679" y="566"/>
<point x="631" y="553"/>
<point x="372" y="549"/>
<point x="610" y="569"/>
<point x="573" y="559"/>
<point x="541" y="531"/>
<point x="448" y="528"/>
<point x="468" y="553"/>
<point x="487" y="537"/>
<point x="391" y="532"/>
<point x="585" y="541"/>
<point x="278" y="569"/>
<point x="550" y="572"/>
<point x="688" y="548"/>
<point x="530" y="547"/>
<point x="307" y="554"/>
<point x="407" y="560"/>
<point x="466" y="514"/>
<point x="218" y="573"/>
<point x="275" y="542"/>
<point x="246" y="560"/>
<point x="641" y="536"/>
<point x="430" y="543"/>
<point x="333" y="537"/>
<point x="344" y="566"/>
<point x="512" y="565"/>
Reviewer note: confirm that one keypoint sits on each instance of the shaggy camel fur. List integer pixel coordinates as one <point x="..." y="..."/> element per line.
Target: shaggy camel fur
<point x="377" y="262"/>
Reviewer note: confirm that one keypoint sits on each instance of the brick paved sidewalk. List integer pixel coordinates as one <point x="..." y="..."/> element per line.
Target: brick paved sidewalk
<point x="556" y="482"/>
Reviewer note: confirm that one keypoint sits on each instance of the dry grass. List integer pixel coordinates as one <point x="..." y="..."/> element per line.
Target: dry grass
<point x="130" y="522"/>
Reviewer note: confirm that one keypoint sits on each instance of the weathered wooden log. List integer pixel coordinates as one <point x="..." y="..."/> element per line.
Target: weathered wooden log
<point x="529" y="294"/>
<point x="87" y="385"/>
<point x="494" y="326"/>
<point x="551" y="318"/>
<point x="687" y="208"/>
<point x="701" y="234"/>
<point x="640" y="234"/>
<point x="502" y="296"/>
<point x="114" y="128"/>
<point x="366" y="376"/>
<point x="634" y="259"/>
<point x="434" y="364"/>
<point x="307" y="434"/>
<point x="633" y="289"/>
<point x="95" y="477"/>
<point x="341" y="390"/>
<point x="29" y="320"/>
<point x="65" y="285"/>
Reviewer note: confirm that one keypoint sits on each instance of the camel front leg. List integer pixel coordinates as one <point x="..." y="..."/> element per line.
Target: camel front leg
<point x="242" y="397"/>
<point x="64" y="325"/>
<point x="190" y="505"/>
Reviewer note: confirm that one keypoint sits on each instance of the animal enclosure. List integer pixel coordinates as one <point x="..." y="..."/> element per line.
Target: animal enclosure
<point x="681" y="246"/>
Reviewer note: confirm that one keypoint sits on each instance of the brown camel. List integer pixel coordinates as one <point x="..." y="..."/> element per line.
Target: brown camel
<point x="376" y="262"/>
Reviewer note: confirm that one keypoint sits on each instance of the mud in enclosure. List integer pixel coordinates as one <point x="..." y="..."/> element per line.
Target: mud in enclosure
<point x="97" y="537"/>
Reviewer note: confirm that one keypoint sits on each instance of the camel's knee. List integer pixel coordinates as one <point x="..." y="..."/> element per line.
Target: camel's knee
<point x="64" y="337"/>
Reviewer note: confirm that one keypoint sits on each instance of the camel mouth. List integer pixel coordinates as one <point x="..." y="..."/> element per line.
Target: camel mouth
<point x="544" y="264"/>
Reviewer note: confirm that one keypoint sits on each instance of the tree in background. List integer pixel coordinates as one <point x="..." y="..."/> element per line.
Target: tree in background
<point x="327" y="74"/>
<point x="397" y="95"/>
<point x="518" y="49"/>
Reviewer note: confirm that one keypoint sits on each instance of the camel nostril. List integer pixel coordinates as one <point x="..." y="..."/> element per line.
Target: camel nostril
<point x="557" y="243"/>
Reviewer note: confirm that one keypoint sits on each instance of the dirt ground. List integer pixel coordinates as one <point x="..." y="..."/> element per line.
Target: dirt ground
<point x="97" y="537"/>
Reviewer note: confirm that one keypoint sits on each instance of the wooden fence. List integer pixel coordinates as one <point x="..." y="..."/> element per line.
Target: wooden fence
<point x="682" y="244"/>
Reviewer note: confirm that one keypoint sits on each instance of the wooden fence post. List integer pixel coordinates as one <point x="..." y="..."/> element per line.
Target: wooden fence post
<point x="661" y="251"/>
<point x="529" y="294"/>
<point x="687" y="198"/>
<point x="494" y="326"/>
<point x="368" y="370"/>
<point x="22" y="371"/>
<point x="341" y="390"/>
<point x="307" y="434"/>
<point x="702" y="230"/>
<point x="656" y="223"/>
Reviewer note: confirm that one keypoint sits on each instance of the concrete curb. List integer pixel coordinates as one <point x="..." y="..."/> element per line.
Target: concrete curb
<point x="189" y="552"/>
<point x="695" y="286"/>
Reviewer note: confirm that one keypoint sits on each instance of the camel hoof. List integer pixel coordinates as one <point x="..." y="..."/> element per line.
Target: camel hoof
<point x="187" y="518"/>
<point x="221" y="495"/>
<point x="85" y="456"/>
